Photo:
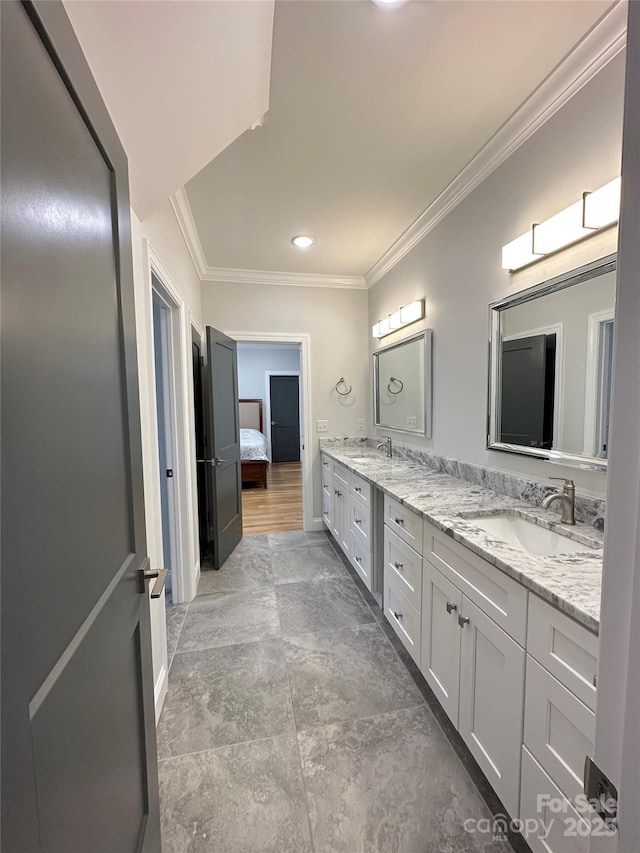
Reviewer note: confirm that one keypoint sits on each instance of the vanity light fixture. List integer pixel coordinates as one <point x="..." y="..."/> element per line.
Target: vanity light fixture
<point x="303" y="241"/>
<point x="404" y="316"/>
<point x="596" y="210"/>
<point x="388" y="4"/>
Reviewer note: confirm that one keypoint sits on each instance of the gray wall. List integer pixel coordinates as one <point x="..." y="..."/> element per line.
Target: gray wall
<point x="456" y="267"/>
<point x="255" y="361"/>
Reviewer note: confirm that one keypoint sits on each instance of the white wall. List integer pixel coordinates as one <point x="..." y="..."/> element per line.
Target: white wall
<point x="163" y="234"/>
<point x="254" y="361"/>
<point x="337" y="323"/>
<point x="456" y="267"/>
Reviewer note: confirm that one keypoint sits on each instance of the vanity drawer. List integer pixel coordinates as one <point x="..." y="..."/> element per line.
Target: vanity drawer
<point x="559" y="729"/>
<point x="405" y="566"/>
<point x="327" y="484"/>
<point x="361" y="489"/>
<point x="404" y="522"/>
<point x="501" y="597"/>
<point x="556" y="826"/>
<point x="327" y="511"/>
<point x="361" y="523"/>
<point x="361" y="559"/>
<point x="326" y="464"/>
<point x="342" y="474"/>
<point x="568" y="650"/>
<point x="402" y="616"/>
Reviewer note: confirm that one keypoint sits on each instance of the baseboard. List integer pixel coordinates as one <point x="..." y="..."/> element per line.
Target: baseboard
<point x="317" y="524"/>
<point x="160" y="691"/>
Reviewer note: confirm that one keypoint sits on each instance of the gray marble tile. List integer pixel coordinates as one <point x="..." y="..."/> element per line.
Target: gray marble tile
<point x="226" y="695"/>
<point x="344" y="674"/>
<point x="296" y="539"/>
<point x="246" y="798"/>
<point x="307" y="564"/>
<point x="390" y="783"/>
<point x="175" y="619"/>
<point x="248" y="569"/>
<point x="226" y="618"/>
<point x="320" y="606"/>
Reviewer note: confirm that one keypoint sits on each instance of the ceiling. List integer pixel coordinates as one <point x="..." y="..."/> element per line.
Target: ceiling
<point x="372" y="113"/>
<point x="181" y="79"/>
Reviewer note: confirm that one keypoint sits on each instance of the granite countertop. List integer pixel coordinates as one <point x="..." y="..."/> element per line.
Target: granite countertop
<point x="570" y="582"/>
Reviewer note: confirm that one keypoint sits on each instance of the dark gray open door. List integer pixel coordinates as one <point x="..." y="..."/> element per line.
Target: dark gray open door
<point x="79" y="769"/>
<point x="285" y="418"/>
<point x="526" y="412"/>
<point x="223" y="467"/>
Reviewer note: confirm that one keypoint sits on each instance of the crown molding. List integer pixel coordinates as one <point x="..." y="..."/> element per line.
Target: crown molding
<point x="291" y="279"/>
<point x="184" y="215"/>
<point x="598" y="47"/>
<point x="182" y="210"/>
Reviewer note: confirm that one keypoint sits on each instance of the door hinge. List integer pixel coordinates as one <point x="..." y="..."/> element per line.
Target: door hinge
<point x="601" y="793"/>
<point x="202" y="361"/>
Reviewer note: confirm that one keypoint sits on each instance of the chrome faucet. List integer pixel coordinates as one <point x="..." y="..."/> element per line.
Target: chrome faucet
<point x="568" y="498"/>
<point x="387" y="446"/>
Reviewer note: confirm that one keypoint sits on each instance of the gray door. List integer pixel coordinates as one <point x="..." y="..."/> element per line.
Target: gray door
<point x="224" y="474"/>
<point x="285" y="418"/>
<point x="79" y="769"/>
<point x="526" y="416"/>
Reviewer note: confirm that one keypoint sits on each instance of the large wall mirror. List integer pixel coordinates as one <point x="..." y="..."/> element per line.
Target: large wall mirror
<point x="402" y="385"/>
<point x="551" y="368"/>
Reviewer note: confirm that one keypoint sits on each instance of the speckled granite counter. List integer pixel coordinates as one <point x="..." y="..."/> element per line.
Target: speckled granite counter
<point x="570" y="582"/>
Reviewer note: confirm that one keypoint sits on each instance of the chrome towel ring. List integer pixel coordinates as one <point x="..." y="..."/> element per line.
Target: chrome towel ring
<point x="397" y="381"/>
<point x="342" y="382"/>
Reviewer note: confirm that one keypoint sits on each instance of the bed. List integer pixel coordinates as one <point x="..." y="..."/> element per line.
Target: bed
<point x="253" y="443"/>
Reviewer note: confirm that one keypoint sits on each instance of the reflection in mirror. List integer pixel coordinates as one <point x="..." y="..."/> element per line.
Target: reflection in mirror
<point x="402" y="385"/>
<point x="551" y="381"/>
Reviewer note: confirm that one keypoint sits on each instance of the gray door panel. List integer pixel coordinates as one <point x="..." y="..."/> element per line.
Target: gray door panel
<point x="285" y="418"/>
<point x="78" y="732"/>
<point x="223" y="467"/>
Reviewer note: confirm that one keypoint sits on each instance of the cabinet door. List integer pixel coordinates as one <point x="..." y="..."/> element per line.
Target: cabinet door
<point x="491" y="701"/>
<point x="336" y="518"/>
<point x="440" y="654"/>
<point x="345" y="529"/>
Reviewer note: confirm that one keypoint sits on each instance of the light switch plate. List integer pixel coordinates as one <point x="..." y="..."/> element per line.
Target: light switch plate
<point x="323" y="426"/>
<point x="360" y="423"/>
<point x="412" y="423"/>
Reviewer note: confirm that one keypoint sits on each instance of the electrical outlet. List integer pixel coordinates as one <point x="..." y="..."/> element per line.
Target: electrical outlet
<point x="323" y="426"/>
<point x="360" y="423"/>
<point x="412" y="423"/>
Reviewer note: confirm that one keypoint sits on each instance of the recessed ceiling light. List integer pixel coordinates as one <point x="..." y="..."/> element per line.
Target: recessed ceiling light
<point x="388" y="4"/>
<point x="303" y="241"/>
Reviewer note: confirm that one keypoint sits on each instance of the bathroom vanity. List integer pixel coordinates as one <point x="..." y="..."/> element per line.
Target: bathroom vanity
<point x="498" y="605"/>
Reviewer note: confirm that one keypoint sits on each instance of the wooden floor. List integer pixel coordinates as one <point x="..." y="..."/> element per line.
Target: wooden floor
<point x="278" y="507"/>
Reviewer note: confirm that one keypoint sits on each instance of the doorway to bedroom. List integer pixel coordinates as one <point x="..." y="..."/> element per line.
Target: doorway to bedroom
<point x="271" y="437"/>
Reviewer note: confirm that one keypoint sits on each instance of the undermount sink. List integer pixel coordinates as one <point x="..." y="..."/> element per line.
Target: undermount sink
<point x="528" y="536"/>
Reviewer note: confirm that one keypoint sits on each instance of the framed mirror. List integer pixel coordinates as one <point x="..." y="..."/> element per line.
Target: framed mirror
<point x="402" y="385"/>
<point x="550" y="368"/>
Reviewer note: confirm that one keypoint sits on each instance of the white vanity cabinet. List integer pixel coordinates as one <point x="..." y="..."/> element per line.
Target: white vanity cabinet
<point x="559" y="727"/>
<point x="475" y="668"/>
<point x="362" y="528"/>
<point x="341" y="518"/>
<point x="403" y="574"/>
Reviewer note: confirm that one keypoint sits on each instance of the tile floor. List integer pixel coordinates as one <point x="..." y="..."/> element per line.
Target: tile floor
<point x="292" y="725"/>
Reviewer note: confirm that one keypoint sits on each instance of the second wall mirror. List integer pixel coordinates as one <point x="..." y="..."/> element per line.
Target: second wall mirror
<point x="402" y="385"/>
<point x="551" y="368"/>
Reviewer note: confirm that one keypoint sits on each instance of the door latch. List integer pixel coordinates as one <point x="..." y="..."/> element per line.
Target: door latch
<point x="169" y="472"/>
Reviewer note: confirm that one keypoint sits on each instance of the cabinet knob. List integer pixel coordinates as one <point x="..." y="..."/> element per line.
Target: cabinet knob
<point x="358" y="560"/>
<point x="397" y="615"/>
<point x="358" y="521"/>
<point x="462" y="620"/>
<point x="451" y="607"/>
<point x="595" y="680"/>
<point x="358" y="489"/>
<point x="399" y="565"/>
<point x="399" y="520"/>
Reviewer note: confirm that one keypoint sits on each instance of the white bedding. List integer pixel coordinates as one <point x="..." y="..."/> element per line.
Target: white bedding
<point x="253" y="445"/>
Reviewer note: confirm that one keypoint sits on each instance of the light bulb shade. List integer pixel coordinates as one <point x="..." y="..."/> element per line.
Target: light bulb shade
<point x="519" y="252"/>
<point x="384" y="327"/>
<point x="412" y="312"/>
<point x="602" y="207"/>
<point x="560" y="230"/>
<point x="394" y="320"/>
<point x="375" y="330"/>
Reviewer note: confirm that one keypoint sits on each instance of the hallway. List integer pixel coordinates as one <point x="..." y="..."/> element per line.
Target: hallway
<point x="277" y="508"/>
<point x="293" y="725"/>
